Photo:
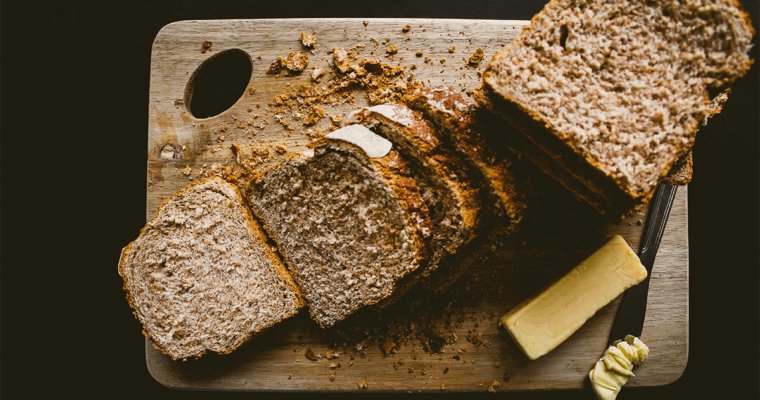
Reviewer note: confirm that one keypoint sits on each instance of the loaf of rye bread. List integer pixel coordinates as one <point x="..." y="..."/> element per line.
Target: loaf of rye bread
<point x="609" y="94"/>
<point x="446" y="187"/>
<point x="466" y="127"/>
<point x="201" y="275"/>
<point x="352" y="229"/>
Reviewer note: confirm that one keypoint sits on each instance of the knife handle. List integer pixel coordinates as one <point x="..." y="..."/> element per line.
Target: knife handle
<point x="632" y="311"/>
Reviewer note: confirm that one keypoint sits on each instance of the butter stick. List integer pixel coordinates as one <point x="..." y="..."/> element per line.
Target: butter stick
<point x="546" y="319"/>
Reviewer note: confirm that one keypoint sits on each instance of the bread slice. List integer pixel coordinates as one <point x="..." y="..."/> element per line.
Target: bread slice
<point x="445" y="184"/>
<point x="351" y="228"/>
<point x="507" y="183"/>
<point x="612" y="92"/>
<point x="201" y="275"/>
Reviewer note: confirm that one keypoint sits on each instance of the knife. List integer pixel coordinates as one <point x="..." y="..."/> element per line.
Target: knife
<point x="630" y="316"/>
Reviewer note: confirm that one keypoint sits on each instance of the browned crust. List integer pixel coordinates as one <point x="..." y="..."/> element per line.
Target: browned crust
<point x="507" y="185"/>
<point x="422" y="142"/>
<point x="125" y="259"/>
<point x="681" y="172"/>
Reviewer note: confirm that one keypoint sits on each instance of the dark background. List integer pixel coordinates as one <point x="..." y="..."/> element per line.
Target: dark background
<point x="74" y="103"/>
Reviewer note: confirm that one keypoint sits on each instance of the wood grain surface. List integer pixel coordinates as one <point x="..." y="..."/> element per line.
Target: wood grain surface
<point x="559" y="231"/>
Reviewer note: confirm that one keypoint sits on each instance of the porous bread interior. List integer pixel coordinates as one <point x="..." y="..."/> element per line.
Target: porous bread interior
<point x="201" y="275"/>
<point x="622" y="84"/>
<point x="341" y="229"/>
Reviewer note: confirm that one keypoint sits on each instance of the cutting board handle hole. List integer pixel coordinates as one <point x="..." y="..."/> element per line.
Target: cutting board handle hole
<point x="218" y="83"/>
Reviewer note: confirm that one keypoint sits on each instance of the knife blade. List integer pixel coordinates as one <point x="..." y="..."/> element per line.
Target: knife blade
<point x="630" y="316"/>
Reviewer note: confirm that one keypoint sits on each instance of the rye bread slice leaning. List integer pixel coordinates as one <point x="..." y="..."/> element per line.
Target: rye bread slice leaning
<point x="612" y="92"/>
<point x="350" y="228"/>
<point x="507" y="182"/>
<point x="445" y="183"/>
<point x="201" y="275"/>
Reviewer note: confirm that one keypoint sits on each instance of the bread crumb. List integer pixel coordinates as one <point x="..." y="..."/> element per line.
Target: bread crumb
<point x="276" y="66"/>
<point x="406" y="28"/>
<point x="446" y="370"/>
<point x="363" y="384"/>
<point x="281" y="148"/>
<point x="443" y="387"/>
<point x="290" y="376"/>
<point x="443" y="60"/>
<point x="332" y="377"/>
<point x="451" y="50"/>
<point x="341" y="60"/>
<point x="476" y="57"/>
<point x="392" y="50"/>
<point x="297" y="61"/>
<point x="419" y="53"/>
<point x="388" y="344"/>
<point x="310" y="354"/>
<point x="410" y="369"/>
<point x="427" y="59"/>
<point x="495" y="363"/>
<point x="206" y="46"/>
<point x="336" y="120"/>
<point x="314" y="115"/>
<point x="366" y="23"/>
<point x="316" y="73"/>
<point x="308" y="40"/>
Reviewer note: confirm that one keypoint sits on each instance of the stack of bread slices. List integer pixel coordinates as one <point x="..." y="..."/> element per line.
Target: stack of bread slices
<point x="376" y="208"/>
<point x="387" y="206"/>
<point x="606" y="97"/>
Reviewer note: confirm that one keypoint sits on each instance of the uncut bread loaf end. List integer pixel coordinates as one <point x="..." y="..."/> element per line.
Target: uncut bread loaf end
<point x="609" y="94"/>
<point x="351" y="227"/>
<point x="201" y="275"/>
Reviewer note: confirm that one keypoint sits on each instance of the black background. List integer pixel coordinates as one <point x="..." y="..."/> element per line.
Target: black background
<point x="74" y="103"/>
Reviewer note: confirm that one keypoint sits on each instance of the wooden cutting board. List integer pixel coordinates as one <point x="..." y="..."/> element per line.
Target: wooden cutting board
<point x="559" y="233"/>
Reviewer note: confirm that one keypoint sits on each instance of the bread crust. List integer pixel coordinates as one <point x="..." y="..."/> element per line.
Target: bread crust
<point x="508" y="186"/>
<point x="456" y="204"/>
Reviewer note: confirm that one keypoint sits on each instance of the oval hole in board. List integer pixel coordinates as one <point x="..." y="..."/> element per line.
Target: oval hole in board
<point x="218" y="83"/>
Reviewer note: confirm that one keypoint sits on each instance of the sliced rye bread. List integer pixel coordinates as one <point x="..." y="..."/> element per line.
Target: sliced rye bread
<point x="446" y="186"/>
<point x="507" y="183"/>
<point x="352" y="229"/>
<point x="201" y="275"/>
<point x="612" y="92"/>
